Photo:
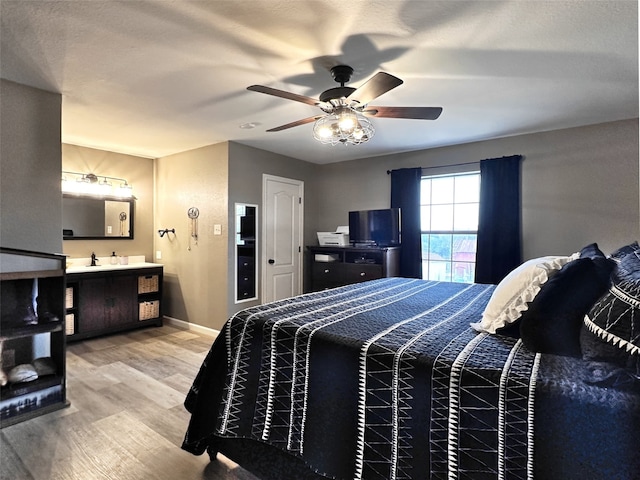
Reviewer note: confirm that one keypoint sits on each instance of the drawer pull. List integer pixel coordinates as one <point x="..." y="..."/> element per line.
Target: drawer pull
<point x="326" y="270"/>
<point x="362" y="274"/>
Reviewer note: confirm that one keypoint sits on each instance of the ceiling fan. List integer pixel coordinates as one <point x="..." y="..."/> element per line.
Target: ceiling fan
<point x="346" y="108"/>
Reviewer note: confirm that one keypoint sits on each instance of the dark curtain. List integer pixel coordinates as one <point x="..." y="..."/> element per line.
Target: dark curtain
<point x="405" y="194"/>
<point x="499" y="238"/>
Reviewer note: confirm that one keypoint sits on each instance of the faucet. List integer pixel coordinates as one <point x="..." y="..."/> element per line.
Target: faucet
<point x="93" y="259"/>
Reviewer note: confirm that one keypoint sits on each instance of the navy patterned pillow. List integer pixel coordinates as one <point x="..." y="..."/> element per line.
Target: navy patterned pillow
<point x="553" y="320"/>
<point x="591" y="251"/>
<point x="622" y="252"/>
<point x="614" y="320"/>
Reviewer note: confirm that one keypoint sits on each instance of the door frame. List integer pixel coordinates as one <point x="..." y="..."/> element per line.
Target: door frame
<point x="263" y="251"/>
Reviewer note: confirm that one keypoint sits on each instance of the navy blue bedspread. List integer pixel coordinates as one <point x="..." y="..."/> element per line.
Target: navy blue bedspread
<point x="386" y="380"/>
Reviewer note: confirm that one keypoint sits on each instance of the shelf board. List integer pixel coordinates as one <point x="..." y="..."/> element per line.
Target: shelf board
<point x="7" y="422"/>
<point x="8" y="332"/>
<point x="13" y="390"/>
<point x="31" y="274"/>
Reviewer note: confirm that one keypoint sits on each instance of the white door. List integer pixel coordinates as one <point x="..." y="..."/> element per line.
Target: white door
<point x="282" y="237"/>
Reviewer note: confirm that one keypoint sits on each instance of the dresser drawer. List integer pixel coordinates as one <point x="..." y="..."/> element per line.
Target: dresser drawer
<point x="327" y="271"/>
<point x="361" y="272"/>
<point x="327" y="275"/>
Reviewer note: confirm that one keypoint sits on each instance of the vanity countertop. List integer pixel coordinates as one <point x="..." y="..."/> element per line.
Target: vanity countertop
<point x="82" y="265"/>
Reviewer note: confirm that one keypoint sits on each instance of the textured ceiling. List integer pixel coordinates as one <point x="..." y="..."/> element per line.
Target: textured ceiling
<point x="152" y="78"/>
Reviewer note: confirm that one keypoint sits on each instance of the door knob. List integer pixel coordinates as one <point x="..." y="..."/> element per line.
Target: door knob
<point x="271" y="261"/>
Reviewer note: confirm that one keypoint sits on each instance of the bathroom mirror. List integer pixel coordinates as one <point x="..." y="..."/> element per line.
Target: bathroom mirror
<point x="246" y="222"/>
<point x="87" y="217"/>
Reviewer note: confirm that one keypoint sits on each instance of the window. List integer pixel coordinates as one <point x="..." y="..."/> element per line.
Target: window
<point x="449" y="222"/>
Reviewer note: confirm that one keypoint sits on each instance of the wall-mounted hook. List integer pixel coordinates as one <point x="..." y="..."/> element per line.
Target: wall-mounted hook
<point x="165" y="231"/>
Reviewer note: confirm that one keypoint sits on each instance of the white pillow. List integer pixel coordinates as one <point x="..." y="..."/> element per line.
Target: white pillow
<point x="22" y="373"/>
<point x="511" y="296"/>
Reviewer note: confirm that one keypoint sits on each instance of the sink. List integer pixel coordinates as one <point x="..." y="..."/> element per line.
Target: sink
<point x="83" y="265"/>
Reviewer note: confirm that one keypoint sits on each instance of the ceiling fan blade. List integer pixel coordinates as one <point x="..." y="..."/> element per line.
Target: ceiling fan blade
<point x="417" y="113"/>
<point x="377" y="85"/>
<point x="282" y="94"/>
<point x="295" y="124"/>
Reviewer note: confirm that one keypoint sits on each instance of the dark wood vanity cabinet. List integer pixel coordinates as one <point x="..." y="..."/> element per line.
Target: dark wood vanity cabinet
<point x="111" y="301"/>
<point x="106" y="302"/>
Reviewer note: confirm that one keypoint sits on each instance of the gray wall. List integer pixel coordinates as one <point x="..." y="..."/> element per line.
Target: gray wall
<point x="579" y="185"/>
<point x="199" y="282"/>
<point x="195" y="272"/>
<point x="30" y="165"/>
<point x="246" y="167"/>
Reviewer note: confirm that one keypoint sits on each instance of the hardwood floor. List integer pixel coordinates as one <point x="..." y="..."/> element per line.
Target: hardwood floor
<point x="126" y="419"/>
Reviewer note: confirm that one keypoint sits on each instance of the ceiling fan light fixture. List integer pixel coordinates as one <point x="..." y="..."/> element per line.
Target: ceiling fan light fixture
<point x="358" y="133"/>
<point x="347" y="120"/>
<point x="323" y="130"/>
<point x="345" y="126"/>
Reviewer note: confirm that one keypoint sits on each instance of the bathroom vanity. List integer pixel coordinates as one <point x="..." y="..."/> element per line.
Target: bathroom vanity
<point x="111" y="298"/>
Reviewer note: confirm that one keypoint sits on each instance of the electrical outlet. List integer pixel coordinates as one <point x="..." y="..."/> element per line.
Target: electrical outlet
<point x="158" y="255"/>
<point x="217" y="229"/>
<point x="109" y="229"/>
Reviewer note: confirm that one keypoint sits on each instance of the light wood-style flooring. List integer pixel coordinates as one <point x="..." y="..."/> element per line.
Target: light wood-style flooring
<point x="126" y="420"/>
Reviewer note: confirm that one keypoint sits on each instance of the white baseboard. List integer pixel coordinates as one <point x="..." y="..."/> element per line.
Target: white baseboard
<point x="174" y="322"/>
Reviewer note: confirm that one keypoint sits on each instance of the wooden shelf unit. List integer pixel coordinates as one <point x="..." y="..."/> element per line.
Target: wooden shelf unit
<point x="32" y="326"/>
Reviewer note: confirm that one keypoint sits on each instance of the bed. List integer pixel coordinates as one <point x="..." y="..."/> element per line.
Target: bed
<point x="412" y="379"/>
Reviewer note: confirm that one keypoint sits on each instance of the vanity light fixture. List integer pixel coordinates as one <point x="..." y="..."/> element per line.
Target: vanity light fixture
<point x="75" y="182"/>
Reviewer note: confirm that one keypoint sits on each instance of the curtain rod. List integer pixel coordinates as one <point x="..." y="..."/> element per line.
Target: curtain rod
<point x="459" y="164"/>
<point x="443" y="166"/>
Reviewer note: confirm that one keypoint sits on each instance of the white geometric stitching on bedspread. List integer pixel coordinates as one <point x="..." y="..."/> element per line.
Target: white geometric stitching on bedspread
<point x="372" y="421"/>
<point x="510" y="420"/>
<point x="383" y="447"/>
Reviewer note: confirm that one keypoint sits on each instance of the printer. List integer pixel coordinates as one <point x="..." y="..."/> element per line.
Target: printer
<point x="339" y="238"/>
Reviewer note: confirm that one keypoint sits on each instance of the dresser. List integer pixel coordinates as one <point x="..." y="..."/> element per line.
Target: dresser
<point x="336" y="266"/>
